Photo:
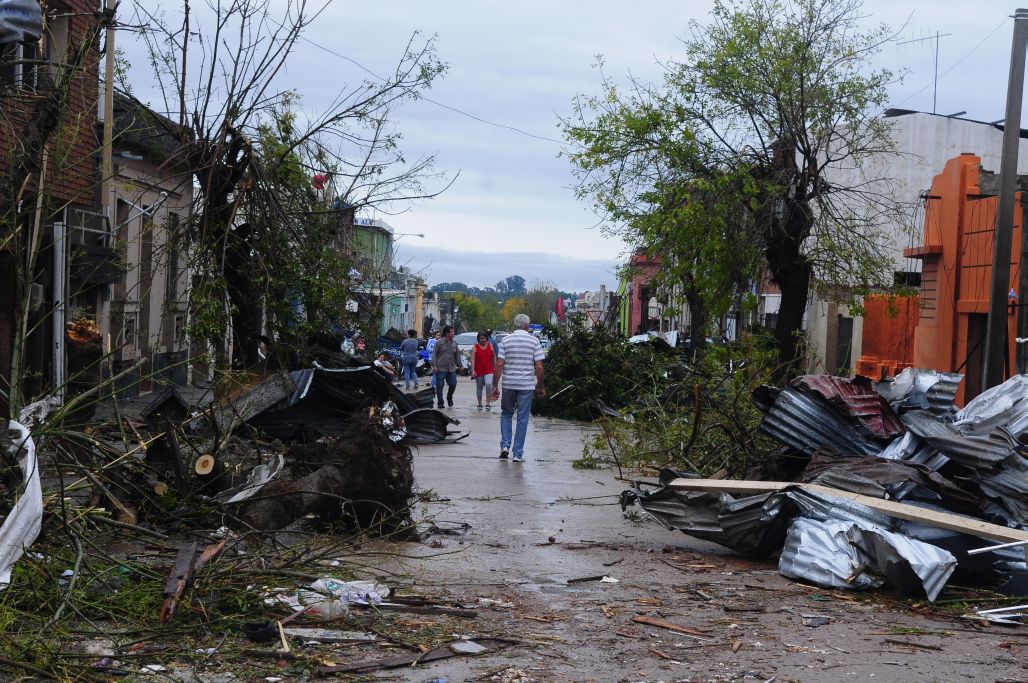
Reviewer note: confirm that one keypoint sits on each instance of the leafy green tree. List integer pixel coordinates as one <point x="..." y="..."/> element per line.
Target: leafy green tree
<point x="539" y="302"/>
<point x="512" y="285"/>
<point x="444" y="287"/>
<point x="471" y="312"/>
<point x="724" y="168"/>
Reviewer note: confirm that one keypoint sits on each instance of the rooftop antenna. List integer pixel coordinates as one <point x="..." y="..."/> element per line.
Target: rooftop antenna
<point x="935" y="85"/>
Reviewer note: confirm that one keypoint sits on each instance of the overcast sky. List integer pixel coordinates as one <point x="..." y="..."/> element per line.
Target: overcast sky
<point x="518" y="65"/>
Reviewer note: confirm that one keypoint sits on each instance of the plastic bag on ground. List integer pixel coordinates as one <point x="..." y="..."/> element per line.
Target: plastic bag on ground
<point x="342" y="594"/>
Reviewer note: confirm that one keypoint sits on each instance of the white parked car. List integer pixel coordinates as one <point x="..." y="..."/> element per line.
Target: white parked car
<point x="465" y="342"/>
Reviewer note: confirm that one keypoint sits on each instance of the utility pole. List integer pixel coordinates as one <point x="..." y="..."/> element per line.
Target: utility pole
<point x="108" y="192"/>
<point x="996" y="341"/>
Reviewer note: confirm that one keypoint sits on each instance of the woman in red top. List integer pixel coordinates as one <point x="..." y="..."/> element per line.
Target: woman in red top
<point x="482" y="364"/>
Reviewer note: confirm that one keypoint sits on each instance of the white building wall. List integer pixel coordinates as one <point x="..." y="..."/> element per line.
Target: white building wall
<point x="924" y="143"/>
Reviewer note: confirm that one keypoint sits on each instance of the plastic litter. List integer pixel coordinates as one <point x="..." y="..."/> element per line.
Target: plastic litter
<point x="21" y="527"/>
<point x="331" y="598"/>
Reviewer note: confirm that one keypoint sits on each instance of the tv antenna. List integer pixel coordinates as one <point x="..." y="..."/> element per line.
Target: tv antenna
<point x="935" y="82"/>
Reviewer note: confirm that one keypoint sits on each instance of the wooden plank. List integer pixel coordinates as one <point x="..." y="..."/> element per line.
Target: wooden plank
<point x="177" y="580"/>
<point x="670" y="626"/>
<point x="943" y="520"/>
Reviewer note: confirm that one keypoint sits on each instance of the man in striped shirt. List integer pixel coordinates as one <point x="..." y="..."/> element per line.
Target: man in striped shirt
<point x="519" y="366"/>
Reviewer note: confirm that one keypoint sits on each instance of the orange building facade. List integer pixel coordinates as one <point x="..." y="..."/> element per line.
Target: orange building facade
<point x="947" y="330"/>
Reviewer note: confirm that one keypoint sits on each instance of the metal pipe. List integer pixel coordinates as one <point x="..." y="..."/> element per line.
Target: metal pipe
<point x="996" y="332"/>
<point x="60" y="269"/>
<point x="1001" y="546"/>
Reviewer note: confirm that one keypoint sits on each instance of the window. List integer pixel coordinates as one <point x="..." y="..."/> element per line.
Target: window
<point x="18" y="64"/>
<point x="86" y="228"/>
<point x="56" y="38"/>
<point x="180" y="331"/>
<point x="128" y="332"/>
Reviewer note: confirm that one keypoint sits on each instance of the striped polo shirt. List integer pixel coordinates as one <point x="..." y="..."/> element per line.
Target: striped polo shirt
<point x="519" y="351"/>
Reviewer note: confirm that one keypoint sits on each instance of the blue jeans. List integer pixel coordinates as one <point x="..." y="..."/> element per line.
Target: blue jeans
<point x="512" y="400"/>
<point x="449" y="378"/>
<point x="410" y="372"/>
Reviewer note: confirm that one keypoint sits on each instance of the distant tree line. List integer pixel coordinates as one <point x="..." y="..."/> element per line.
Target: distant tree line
<point x="495" y="307"/>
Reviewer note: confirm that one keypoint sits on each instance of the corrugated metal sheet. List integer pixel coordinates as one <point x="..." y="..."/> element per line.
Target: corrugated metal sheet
<point x="325" y="398"/>
<point x="821" y="553"/>
<point x="856" y="399"/>
<point x="427" y="425"/>
<point x="981" y="452"/>
<point x="1008" y="487"/>
<point x="758" y="525"/>
<point x="916" y="388"/>
<point x="843" y="554"/>
<point x="1005" y="405"/>
<point x="913" y="449"/>
<point x="805" y="422"/>
<point x="20" y="20"/>
<point x="900" y="480"/>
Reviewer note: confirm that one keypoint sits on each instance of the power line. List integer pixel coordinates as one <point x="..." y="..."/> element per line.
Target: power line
<point x="435" y="102"/>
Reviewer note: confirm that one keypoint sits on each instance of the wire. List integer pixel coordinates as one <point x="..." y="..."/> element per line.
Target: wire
<point x="435" y="102"/>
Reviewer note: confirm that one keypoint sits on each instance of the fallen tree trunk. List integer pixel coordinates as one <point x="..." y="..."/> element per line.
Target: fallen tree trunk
<point x="281" y="502"/>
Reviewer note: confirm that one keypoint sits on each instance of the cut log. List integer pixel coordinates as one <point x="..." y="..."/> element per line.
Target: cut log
<point x="204" y="465"/>
<point x="943" y="520"/>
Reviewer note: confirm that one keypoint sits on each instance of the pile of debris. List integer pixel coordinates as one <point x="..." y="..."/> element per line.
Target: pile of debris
<point x="110" y="499"/>
<point x="874" y="484"/>
<point x="270" y="450"/>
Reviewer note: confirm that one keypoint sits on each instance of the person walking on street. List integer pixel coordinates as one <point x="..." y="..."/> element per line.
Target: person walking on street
<point x="482" y="366"/>
<point x="519" y="366"/>
<point x="409" y="358"/>
<point x="445" y="361"/>
<point x="430" y="348"/>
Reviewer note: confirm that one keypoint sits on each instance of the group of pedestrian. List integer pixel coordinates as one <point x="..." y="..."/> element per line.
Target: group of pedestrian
<point x="510" y="371"/>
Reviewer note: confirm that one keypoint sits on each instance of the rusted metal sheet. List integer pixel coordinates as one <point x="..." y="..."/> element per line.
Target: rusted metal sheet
<point x="857" y="399"/>
<point x="807" y="423"/>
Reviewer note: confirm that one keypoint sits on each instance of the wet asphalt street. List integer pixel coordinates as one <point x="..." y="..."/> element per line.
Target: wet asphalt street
<point x="534" y="525"/>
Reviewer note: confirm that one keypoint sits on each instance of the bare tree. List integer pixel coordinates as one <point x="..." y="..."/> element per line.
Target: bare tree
<point x="221" y="85"/>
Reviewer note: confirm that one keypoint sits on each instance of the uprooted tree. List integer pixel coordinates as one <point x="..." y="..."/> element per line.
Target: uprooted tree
<point x="258" y="236"/>
<point x="725" y="167"/>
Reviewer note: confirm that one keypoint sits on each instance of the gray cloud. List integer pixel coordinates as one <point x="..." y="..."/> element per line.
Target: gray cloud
<point x="520" y="64"/>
